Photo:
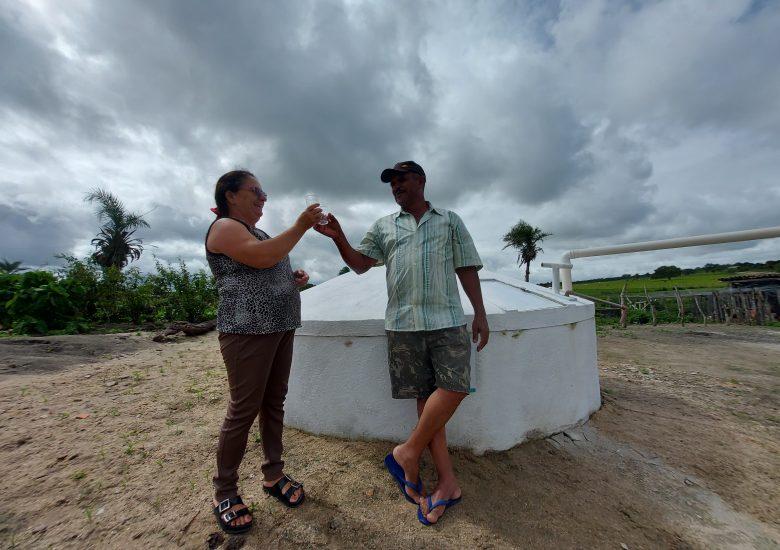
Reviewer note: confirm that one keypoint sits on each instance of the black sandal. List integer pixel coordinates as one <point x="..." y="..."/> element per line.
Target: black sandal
<point x="284" y="497"/>
<point x="225" y="515"/>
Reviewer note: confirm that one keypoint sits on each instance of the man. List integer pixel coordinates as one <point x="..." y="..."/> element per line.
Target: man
<point x="423" y="248"/>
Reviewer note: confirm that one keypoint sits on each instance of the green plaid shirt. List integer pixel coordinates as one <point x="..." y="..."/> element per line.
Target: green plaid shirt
<point x="422" y="293"/>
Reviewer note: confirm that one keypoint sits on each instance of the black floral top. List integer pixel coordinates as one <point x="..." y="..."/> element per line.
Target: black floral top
<point x="251" y="300"/>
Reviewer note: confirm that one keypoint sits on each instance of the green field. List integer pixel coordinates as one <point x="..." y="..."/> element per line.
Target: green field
<point x="603" y="289"/>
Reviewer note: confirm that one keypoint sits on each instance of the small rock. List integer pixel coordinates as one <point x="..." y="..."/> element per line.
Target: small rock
<point x="138" y="535"/>
<point x="39" y="529"/>
<point x="370" y="492"/>
<point x="82" y="416"/>
<point x="100" y="510"/>
<point x="624" y="546"/>
<point x="689" y="482"/>
<point x="335" y="523"/>
<point x="111" y="383"/>
<point x="574" y="435"/>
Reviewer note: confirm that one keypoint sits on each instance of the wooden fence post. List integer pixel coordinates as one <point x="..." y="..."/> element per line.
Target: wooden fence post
<point x="680" y="306"/>
<point x="696" y="301"/>
<point x="623" y="308"/>
<point x="652" y="306"/>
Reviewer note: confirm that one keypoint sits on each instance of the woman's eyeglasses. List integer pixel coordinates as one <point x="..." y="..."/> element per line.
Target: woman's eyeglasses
<point x="259" y="193"/>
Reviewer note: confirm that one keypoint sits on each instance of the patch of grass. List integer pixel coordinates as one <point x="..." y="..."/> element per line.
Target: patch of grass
<point x="129" y="445"/>
<point x="604" y="289"/>
<point x="137" y="377"/>
<point x="113" y="411"/>
<point x="78" y="476"/>
<point x="742" y="415"/>
<point x="88" y="513"/>
<point x="63" y="415"/>
<point x="198" y="391"/>
<point x="644" y="370"/>
<point x="258" y="438"/>
<point x="736" y="368"/>
<point x="25" y="390"/>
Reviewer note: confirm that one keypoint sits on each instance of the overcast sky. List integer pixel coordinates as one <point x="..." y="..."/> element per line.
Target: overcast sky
<point x="599" y="122"/>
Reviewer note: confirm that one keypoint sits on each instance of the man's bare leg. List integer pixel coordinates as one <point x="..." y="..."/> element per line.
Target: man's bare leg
<point x="437" y="411"/>
<point x="447" y="486"/>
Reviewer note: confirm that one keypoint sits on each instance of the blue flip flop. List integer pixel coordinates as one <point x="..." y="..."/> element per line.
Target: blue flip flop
<point x="431" y="506"/>
<point x="399" y="475"/>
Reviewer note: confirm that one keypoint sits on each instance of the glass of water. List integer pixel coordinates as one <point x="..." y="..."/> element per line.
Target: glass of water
<point x="311" y="198"/>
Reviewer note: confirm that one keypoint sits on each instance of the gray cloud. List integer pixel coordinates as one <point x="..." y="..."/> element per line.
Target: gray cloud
<point x="599" y="121"/>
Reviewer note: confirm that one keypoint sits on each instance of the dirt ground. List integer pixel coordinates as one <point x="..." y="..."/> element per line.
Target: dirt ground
<point x="108" y="442"/>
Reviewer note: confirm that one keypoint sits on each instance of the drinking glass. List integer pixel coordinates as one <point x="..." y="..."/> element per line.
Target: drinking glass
<point x="311" y="198"/>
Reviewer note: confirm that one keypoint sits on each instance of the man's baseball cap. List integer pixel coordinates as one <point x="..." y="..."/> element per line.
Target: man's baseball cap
<point x="404" y="167"/>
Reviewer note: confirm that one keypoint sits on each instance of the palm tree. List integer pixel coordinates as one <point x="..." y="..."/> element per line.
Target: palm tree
<point x="115" y="245"/>
<point x="9" y="267"/>
<point x="525" y="239"/>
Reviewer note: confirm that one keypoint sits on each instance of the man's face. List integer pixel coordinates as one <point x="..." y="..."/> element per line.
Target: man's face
<point x="407" y="188"/>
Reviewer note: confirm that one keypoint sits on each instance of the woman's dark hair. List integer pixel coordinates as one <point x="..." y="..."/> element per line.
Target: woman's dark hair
<point x="229" y="182"/>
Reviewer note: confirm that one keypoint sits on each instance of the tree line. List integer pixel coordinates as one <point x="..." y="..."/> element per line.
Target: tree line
<point x="102" y="290"/>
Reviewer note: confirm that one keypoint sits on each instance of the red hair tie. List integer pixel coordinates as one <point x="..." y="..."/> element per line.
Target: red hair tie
<point x="215" y="211"/>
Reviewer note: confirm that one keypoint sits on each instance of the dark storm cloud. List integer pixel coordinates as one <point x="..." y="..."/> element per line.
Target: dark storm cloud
<point x="36" y="240"/>
<point x="600" y="121"/>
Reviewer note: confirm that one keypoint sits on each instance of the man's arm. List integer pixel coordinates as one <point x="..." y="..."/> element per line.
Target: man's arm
<point x="480" y="332"/>
<point x="357" y="261"/>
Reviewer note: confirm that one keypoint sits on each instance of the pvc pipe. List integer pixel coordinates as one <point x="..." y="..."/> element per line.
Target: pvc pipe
<point x="698" y="240"/>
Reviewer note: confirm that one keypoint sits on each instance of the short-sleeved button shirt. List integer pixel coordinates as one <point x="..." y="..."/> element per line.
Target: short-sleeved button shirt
<point x="422" y="292"/>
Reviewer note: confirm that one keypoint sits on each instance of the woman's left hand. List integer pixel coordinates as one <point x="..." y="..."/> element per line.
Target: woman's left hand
<point x="300" y="277"/>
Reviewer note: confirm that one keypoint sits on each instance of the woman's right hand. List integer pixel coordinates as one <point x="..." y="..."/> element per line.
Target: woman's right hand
<point x="309" y="217"/>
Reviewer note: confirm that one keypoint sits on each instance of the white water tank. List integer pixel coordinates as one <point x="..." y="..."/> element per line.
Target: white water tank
<point x="537" y="375"/>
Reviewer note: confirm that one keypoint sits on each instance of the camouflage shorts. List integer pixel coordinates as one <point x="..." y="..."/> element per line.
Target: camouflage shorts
<point x="422" y="361"/>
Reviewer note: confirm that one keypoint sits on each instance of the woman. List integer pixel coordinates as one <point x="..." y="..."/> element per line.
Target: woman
<point x="259" y="310"/>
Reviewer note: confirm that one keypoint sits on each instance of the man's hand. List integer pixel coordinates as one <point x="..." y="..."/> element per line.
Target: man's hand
<point x="300" y="277"/>
<point x="480" y="332"/>
<point x="332" y="229"/>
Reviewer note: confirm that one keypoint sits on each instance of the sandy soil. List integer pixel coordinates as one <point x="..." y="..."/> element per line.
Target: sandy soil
<point x="117" y="451"/>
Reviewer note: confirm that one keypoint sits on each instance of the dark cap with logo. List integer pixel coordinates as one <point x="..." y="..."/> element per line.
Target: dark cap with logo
<point x="405" y="167"/>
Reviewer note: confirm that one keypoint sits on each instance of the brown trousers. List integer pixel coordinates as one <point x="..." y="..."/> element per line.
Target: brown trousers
<point x="258" y="367"/>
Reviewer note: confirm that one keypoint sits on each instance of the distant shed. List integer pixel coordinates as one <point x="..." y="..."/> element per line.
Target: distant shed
<point x="768" y="283"/>
<point x="752" y="280"/>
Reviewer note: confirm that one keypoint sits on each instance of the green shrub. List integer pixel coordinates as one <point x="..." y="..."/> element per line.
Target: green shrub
<point x="41" y="304"/>
<point x="183" y="296"/>
<point x="8" y="284"/>
<point x="82" y="292"/>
